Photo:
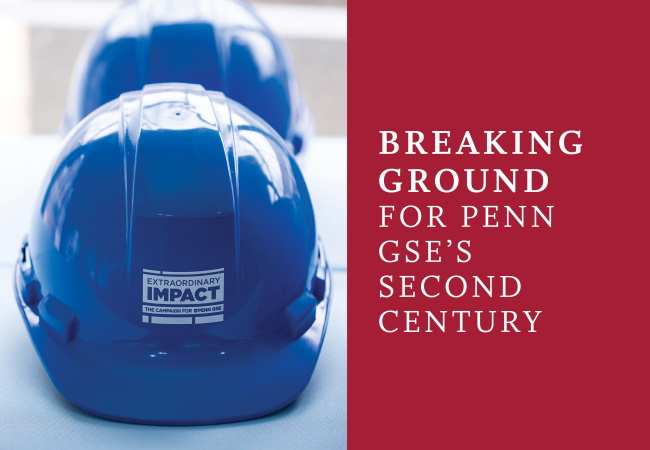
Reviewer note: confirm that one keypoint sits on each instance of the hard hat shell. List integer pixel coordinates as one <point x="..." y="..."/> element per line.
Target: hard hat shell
<point x="155" y="198"/>
<point x="221" y="44"/>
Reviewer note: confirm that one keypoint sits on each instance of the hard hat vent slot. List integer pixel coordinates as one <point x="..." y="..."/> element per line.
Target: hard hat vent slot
<point x="25" y="260"/>
<point x="58" y="320"/>
<point x="28" y="287"/>
<point x="300" y="315"/>
<point x="320" y="283"/>
<point x="32" y="293"/>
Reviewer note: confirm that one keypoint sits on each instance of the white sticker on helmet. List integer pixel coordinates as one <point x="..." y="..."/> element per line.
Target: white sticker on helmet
<point x="182" y="297"/>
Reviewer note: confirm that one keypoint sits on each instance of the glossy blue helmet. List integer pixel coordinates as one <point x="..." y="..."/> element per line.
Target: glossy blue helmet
<point x="154" y="199"/>
<point x="221" y="44"/>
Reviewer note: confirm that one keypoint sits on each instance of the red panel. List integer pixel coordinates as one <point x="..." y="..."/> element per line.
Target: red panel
<point x="582" y="379"/>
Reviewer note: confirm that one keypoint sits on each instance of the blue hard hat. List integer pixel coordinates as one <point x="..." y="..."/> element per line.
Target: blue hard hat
<point x="154" y="199"/>
<point x="221" y="44"/>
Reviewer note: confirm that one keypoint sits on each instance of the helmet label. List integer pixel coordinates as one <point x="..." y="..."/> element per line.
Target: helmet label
<point x="182" y="297"/>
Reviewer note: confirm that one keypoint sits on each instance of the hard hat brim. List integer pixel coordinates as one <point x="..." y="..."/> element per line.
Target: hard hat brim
<point x="191" y="387"/>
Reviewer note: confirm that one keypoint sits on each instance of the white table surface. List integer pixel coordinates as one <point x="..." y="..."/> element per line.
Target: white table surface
<point x="34" y="415"/>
